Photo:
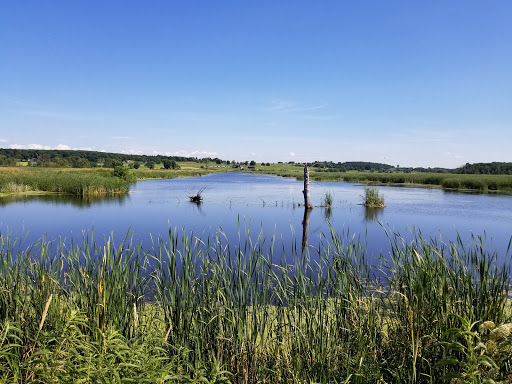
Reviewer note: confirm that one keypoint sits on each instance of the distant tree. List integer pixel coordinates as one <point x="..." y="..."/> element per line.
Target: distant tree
<point x="6" y="161"/>
<point x="82" y="163"/>
<point x="175" y="165"/>
<point x="150" y="165"/>
<point x="44" y="160"/>
<point x="136" y="165"/>
<point x="252" y="162"/>
<point x="167" y="164"/>
<point x="60" y="162"/>
<point x="120" y="172"/>
<point x="206" y="161"/>
<point x="108" y="163"/>
<point x="268" y="164"/>
<point x="228" y="162"/>
<point x="171" y="164"/>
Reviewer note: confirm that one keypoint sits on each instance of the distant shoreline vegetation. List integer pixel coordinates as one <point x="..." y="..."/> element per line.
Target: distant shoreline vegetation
<point x="102" y="173"/>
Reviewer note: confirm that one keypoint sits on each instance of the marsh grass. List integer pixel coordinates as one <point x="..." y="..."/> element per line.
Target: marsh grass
<point x="458" y="182"/>
<point x="327" y="200"/>
<point x="76" y="182"/>
<point x="373" y="198"/>
<point x="191" y="310"/>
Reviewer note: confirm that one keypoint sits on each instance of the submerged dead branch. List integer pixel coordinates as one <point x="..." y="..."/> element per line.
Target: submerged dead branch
<point x="197" y="198"/>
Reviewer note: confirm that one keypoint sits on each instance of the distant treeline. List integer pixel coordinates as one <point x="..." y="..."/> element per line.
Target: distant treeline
<point x="77" y="158"/>
<point x="361" y="166"/>
<point x="494" y="168"/>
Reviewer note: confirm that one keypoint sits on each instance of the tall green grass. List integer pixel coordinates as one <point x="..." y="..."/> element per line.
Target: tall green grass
<point x="76" y="182"/>
<point x="372" y="198"/>
<point x="191" y="310"/>
<point x="478" y="183"/>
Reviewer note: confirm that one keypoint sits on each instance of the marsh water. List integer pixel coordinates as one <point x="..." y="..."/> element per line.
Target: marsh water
<point x="237" y="203"/>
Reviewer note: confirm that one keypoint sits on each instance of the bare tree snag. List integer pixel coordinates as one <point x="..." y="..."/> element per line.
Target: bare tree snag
<point x="305" y="192"/>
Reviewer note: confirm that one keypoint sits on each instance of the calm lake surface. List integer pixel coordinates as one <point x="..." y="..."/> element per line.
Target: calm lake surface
<point x="265" y="204"/>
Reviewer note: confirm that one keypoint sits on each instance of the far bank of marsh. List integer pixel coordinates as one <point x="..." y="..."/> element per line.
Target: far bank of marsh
<point x="100" y="181"/>
<point x="458" y="182"/>
<point x="69" y="181"/>
<point x="81" y="182"/>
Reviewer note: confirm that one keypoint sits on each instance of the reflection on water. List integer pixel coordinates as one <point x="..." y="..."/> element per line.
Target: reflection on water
<point x="372" y="213"/>
<point x="64" y="199"/>
<point x="327" y="212"/>
<point x="270" y="205"/>
<point x="305" y="227"/>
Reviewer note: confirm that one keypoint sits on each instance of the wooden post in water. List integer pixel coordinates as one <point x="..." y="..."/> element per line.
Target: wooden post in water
<point x="307" y="200"/>
<point x="305" y="227"/>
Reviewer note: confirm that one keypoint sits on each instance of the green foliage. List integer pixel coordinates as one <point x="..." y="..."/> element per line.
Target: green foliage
<point x="170" y="164"/>
<point x="372" y="198"/>
<point x="6" y="161"/>
<point x="465" y="355"/>
<point x="327" y="201"/>
<point x="123" y="173"/>
<point x="90" y="182"/>
<point x="206" y="311"/>
<point x="150" y="165"/>
<point x="495" y="168"/>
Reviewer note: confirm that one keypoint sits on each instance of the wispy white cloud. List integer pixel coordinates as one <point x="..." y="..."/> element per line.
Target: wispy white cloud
<point x="61" y="147"/>
<point x="3" y="141"/>
<point x="291" y="154"/>
<point x="132" y="152"/>
<point x="185" y="153"/>
<point x="29" y="146"/>
<point x="122" y="138"/>
<point x="287" y="106"/>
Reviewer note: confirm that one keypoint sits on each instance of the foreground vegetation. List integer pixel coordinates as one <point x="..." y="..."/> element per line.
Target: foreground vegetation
<point x="207" y="311"/>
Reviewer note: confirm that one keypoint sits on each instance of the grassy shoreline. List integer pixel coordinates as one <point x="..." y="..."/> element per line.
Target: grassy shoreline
<point x="446" y="181"/>
<point x="100" y="181"/>
<point x="191" y="311"/>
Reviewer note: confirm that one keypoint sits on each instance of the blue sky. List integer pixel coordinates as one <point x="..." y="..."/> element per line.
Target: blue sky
<point x="400" y="82"/>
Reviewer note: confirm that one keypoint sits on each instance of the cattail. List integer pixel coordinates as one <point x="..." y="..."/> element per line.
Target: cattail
<point x="45" y="312"/>
<point x="135" y="315"/>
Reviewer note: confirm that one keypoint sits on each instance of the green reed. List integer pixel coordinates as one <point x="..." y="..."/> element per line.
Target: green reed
<point x="76" y="182"/>
<point x="373" y="198"/>
<point x="190" y="310"/>
<point x="479" y="183"/>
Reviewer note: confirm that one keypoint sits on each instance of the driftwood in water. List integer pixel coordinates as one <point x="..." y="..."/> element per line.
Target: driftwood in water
<point x="197" y="198"/>
<point x="307" y="199"/>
